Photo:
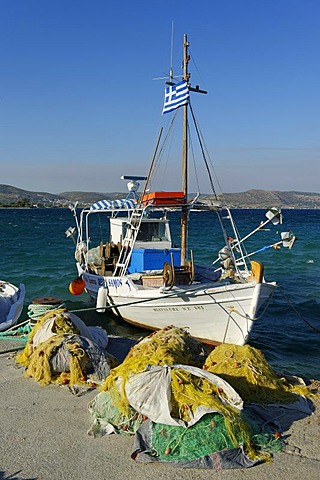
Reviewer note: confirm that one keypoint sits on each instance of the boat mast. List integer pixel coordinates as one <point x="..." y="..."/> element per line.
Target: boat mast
<point x="184" y="214"/>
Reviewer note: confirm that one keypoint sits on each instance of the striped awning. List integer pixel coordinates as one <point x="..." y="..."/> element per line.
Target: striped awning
<point x="123" y="204"/>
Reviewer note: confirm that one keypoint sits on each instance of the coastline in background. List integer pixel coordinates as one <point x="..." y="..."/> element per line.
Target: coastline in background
<point x="254" y="198"/>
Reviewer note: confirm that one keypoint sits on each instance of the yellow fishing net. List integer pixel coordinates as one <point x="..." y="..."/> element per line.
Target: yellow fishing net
<point x="60" y="359"/>
<point x="62" y="324"/>
<point x="247" y="371"/>
<point x="189" y="392"/>
<point x="41" y="369"/>
<point x="164" y="347"/>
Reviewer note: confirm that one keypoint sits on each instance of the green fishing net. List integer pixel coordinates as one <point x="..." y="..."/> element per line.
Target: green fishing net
<point x="208" y="435"/>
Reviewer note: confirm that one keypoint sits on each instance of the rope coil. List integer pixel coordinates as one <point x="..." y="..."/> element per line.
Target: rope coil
<point x="41" y="306"/>
<point x="35" y="310"/>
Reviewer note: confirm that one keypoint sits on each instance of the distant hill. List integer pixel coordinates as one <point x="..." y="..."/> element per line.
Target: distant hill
<point x="249" y="199"/>
<point x="265" y="198"/>
<point x="90" y="197"/>
<point x="10" y="194"/>
<point x="13" y="195"/>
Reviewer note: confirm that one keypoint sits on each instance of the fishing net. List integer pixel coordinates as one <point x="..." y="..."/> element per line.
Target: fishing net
<point x="208" y="435"/>
<point x="62" y="349"/>
<point x="67" y="327"/>
<point x="178" y="411"/>
<point x="246" y="369"/>
<point x="207" y="444"/>
<point x="68" y="359"/>
<point x="160" y="378"/>
<point x="206" y="417"/>
<point x="60" y="322"/>
<point x="106" y="418"/>
<point x="164" y="347"/>
<point x="181" y="396"/>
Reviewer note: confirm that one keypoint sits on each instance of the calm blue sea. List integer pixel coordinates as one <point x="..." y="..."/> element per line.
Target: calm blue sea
<point x="35" y="251"/>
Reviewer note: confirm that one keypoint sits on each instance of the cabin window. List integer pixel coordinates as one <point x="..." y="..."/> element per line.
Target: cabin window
<point x="152" y="232"/>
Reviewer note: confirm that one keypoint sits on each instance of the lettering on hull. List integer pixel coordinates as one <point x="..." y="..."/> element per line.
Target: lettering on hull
<point x="114" y="282"/>
<point x="177" y="309"/>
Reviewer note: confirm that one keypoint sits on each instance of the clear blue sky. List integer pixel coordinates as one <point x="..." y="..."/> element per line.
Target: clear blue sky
<point x="79" y="106"/>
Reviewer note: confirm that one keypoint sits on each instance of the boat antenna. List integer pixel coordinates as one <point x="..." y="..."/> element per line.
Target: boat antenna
<point x="169" y="77"/>
<point x="171" y="55"/>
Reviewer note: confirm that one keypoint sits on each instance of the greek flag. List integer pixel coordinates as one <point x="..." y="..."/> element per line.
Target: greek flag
<point x="175" y="96"/>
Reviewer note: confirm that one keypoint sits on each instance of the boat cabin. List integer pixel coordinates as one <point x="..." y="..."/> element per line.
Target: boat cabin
<point x="153" y="245"/>
<point x="151" y="250"/>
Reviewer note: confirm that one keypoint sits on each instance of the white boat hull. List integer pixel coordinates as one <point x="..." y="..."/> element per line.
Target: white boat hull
<point x="212" y="313"/>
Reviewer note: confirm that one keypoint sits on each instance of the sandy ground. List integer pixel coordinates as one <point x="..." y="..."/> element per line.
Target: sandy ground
<point x="43" y="436"/>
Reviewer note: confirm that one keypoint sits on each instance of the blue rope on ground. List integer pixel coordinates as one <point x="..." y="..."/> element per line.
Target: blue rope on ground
<point x="19" y="333"/>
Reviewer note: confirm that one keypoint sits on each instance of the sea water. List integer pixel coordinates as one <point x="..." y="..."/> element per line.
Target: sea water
<point x="35" y="251"/>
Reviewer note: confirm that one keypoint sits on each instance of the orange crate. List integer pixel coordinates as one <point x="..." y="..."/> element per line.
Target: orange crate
<point x="164" y="198"/>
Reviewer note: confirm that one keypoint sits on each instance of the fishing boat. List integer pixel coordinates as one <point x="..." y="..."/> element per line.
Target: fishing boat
<point x="139" y="272"/>
<point x="11" y="304"/>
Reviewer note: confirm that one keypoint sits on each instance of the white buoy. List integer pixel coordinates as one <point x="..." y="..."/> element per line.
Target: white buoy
<point x="101" y="300"/>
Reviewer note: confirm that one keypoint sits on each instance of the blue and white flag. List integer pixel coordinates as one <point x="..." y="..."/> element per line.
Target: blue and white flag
<point x="175" y="96"/>
<point x="123" y="204"/>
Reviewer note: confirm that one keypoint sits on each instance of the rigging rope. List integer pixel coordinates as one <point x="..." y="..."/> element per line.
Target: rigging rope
<point x="161" y="150"/>
<point x="203" y="152"/>
<point x="193" y="159"/>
